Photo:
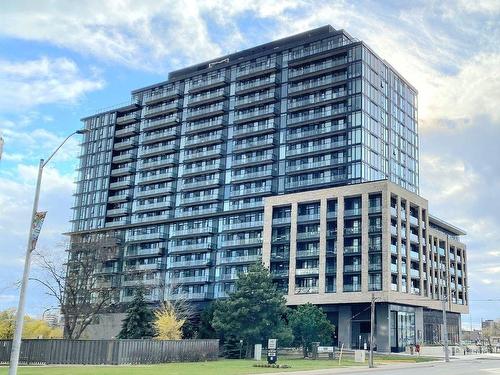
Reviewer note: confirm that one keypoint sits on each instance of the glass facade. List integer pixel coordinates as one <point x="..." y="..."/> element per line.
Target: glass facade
<point x="181" y="172"/>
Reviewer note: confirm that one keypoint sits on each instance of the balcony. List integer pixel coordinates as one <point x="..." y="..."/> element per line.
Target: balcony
<point x="189" y="296"/>
<point x="308" y="235"/>
<point x="280" y="255"/>
<point x="257" y="127"/>
<point x="142" y="282"/>
<point x="375" y="210"/>
<point x="254" y="160"/>
<point x="315" y="68"/>
<point x="414" y="273"/>
<point x="327" y="146"/>
<point x="200" y="126"/>
<point x="162" y="176"/>
<point x="304" y="118"/>
<point x="308" y="217"/>
<point x="165" y="108"/>
<point x="123" y="145"/>
<point x="375" y="228"/>
<point x="307" y="271"/>
<point x="121" y="197"/>
<point x="281" y="220"/>
<point x="414" y="220"/>
<point x="127" y="131"/>
<point x="352" y="287"/>
<point x="328" y="127"/>
<point x="144" y="237"/>
<point x="157" y="149"/>
<point x="187" y="248"/>
<point x="279" y="273"/>
<point x="118" y="211"/>
<point x="414" y="238"/>
<point x="157" y="136"/>
<point x="255" y="99"/>
<point x="256" y="84"/>
<point x="189" y="279"/>
<point x="198" y="212"/>
<point x="128" y="119"/>
<point x="154" y="191"/>
<point x="213" y="166"/>
<point x="352" y="212"/>
<point x="123" y="183"/>
<point x="247" y="71"/>
<point x="257" y="241"/>
<point x="162" y="161"/>
<point x="161" y="122"/>
<point x="106" y="270"/>
<point x="352" y="267"/>
<point x="307" y="253"/>
<point x="161" y="95"/>
<point x="131" y="252"/>
<point x="242" y="225"/>
<point x="281" y="238"/>
<point x="143" y="267"/>
<point x="125" y="156"/>
<point x="252" y="191"/>
<point x="375" y="267"/>
<point x="118" y="222"/>
<point x="306" y="289"/>
<point x="328" y="163"/>
<point x="206" y="111"/>
<point x="201" y="199"/>
<point x="203" y="154"/>
<point x="155" y="206"/>
<point x="154" y="297"/>
<point x="145" y="218"/>
<point x="253" y="175"/>
<point x="207" y="82"/>
<point x="188" y="263"/>
<point x="122" y="170"/>
<point x="201" y="184"/>
<point x="239" y="259"/>
<point x="353" y="249"/>
<point x="312" y="101"/>
<point x="354" y="231"/>
<point x="254" y="144"/>
<point x="255" y="114"/>
<point x="193" y="231"/>
<point x="207" y="97"/>
<point x="198" y="140"/>
<point x="316" y="83"/>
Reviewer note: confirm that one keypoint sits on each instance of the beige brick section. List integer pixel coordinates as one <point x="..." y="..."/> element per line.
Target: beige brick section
<point x="387" y="189"/>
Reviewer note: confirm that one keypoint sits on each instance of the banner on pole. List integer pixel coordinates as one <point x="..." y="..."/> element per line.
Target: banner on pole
<point x="36" y="227"/>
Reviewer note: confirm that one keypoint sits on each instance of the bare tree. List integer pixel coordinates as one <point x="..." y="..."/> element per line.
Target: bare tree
<point x="85" y="286"/>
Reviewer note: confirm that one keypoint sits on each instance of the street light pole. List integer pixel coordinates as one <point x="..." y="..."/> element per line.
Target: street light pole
<point x="16" y="341"/>
<point x="445" y="331"/>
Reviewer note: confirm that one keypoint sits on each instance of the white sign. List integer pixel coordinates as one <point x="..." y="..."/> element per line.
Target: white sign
<point x="271" y="344"/>
<point x="359" y="355"/>
<point x="325" y="349"/>
<point x="258" y="352"/>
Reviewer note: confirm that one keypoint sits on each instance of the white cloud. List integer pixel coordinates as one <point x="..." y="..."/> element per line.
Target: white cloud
<point x="30" y="83"/>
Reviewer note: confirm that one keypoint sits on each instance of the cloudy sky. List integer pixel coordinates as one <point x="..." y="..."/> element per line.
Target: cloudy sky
<point x="62" y="60"/>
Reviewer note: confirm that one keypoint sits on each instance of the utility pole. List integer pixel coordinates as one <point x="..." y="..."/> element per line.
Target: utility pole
<point x="445" y="331"/>
<point x="372" y="323"/>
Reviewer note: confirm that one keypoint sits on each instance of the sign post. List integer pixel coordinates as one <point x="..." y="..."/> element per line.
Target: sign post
<point x="272" y="351"/>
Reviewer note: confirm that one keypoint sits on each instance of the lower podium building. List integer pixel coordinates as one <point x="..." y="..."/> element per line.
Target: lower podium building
<point x="340" y="247"/>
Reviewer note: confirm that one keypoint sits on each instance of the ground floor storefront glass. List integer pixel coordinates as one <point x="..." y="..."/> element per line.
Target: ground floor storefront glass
<point x="402" y="325"/>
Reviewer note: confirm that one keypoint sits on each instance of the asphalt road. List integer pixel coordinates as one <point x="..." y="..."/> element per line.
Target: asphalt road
<point x="480" y="365"/>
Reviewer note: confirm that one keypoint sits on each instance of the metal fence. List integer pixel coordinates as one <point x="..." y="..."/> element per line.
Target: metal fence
<point x="111" y="352"/>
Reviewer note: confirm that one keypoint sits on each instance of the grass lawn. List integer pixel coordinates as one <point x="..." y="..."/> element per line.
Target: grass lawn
<point x="221" y="367"/>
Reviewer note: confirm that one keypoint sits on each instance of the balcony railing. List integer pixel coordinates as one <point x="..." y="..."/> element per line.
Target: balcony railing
<point x="312" y="116"/>
<point x="253" y="175"/>
<point x="307" y="253"/>
<point x="352" y="287"/>
<point x="253" y="159"/>
<point x="153" y="236"/>
<point x="251" y="191"/>
<point x="352" y="267"/>
<point x="308" y="235"/>
<point x="256" y="68"/>
<point x="315" y="100"/>
<point x="314" y="83"/>
<point x="312" y="68"/>
<point x="306" y="289"/>
<point x="307" y="271"/>
<point x="165" y="93"/>
<point x="240" y="259"/>
<point x="188" y="263"/>
<point x="327" y="146"/>
<point x="242" y="242"/>
<point x="249" y="114"/>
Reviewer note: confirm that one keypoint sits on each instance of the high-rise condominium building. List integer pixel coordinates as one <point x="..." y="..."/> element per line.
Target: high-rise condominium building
<point x="281" y="136"/>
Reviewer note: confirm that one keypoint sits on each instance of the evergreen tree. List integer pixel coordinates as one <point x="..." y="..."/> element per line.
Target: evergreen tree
<point x="310" y="324"/>
<point x="253" y="312"/>
<point x="138" y="324"/>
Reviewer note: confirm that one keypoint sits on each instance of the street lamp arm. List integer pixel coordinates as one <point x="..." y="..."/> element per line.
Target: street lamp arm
<point x="45" y="162"/>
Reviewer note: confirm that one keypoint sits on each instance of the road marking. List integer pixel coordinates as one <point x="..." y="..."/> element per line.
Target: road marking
<point x="491" y="370"/>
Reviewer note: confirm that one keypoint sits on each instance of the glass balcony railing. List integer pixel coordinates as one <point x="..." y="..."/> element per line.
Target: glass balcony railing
<point x="127" y="131"/>
<point x="212" y="166"/>
<point x="312" y="68"/>
<point x="314" y="165"/>
<point x="161" y="122"/>
<point x="166" y="175"/>
<point x="242" y="242"/>
<point x="195" y="184"/>
<point x="172" y="263"/>
<point x="375" y="267"/>
<point x="192" y="231"/>
<point x="243" y="225"/>
<point x="269" y="141"/>
<point x="203" y="154"/>
<point x="143" y="267"/>
<point x="256" y="68"/>
<point x="161" y="205"/>
<point x="306" y="289"/>
<point x="138" y="252"/>
<point x="292" y="104"/>
<point x="156" y="149"/>
<point x="205" y="125"/>
<point x="207" y="96"/>
<point x="189" y="279"/>
<point x="251" y="191"/>
<point x="190" y="296"/>
<point x="327" y="146"/>
<point x="253" y="175"/>
<point x="307" y="253"/>
<point x="324" y="129"/>
<point x="194" y="141"/>
<point x="141" y="193"/>
<point x="293" y="184"/>
<point x="352" y="231"/>
<point x="138" y="237"/>
<point x="131" y="117"/>
<point x="159" y="95"/>
<point x="314" y="83"/>
<point x="164" y="108"/>
<point x="256" y="83"/>
<point x="240" y="259"/>
<point x="160" y="162"/>
<point x="353" y="249"/>
<point x="254" y="127"/>
<point x="248" y="114"/>
<point x="173" y="247"/>
<point x="352" y="211"/>
<point x="118" y="211"/>
<point x="253" y="159"/>
<point x="207" y="110"/>
<point x="308" y="235"/>
<point x="352" y="267"/>
<point x="352" y="287"/>
<point x="208" y="82"/>
<point x="197" y="212"/>
<point x="159" y="135"/>
<point x="307" y="271"/>
<point x="279" y="273"/>
<point x="129" y="143"/>
<point x="201" y="198"/>
<point x="163" y="215"/>
<point x="259" y="97"/>
<point x="281" y="238"/>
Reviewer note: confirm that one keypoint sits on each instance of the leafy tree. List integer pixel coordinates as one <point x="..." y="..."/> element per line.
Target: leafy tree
<point x="138" y="324"/>
<point x="167" y="324"/>
<point x="32" y="328"/>
<point x="253" y="312"/>
<point x="310" y="324"/>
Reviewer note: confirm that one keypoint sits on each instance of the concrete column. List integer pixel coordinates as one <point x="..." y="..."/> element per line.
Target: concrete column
<point x="322" y="245"/>
<point x="398" y="209"/>
<point x="382" y="328"/>
<point x="344" y="329"/>
<point x="340" y="245"/>
<point x="266" y="235"/>
<point x="364" y="242"/>
<point x="293" y="249"/>
<point x="386" y="240"/>
<point x="421" y="251"/>
<point x="408" y="246"/>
